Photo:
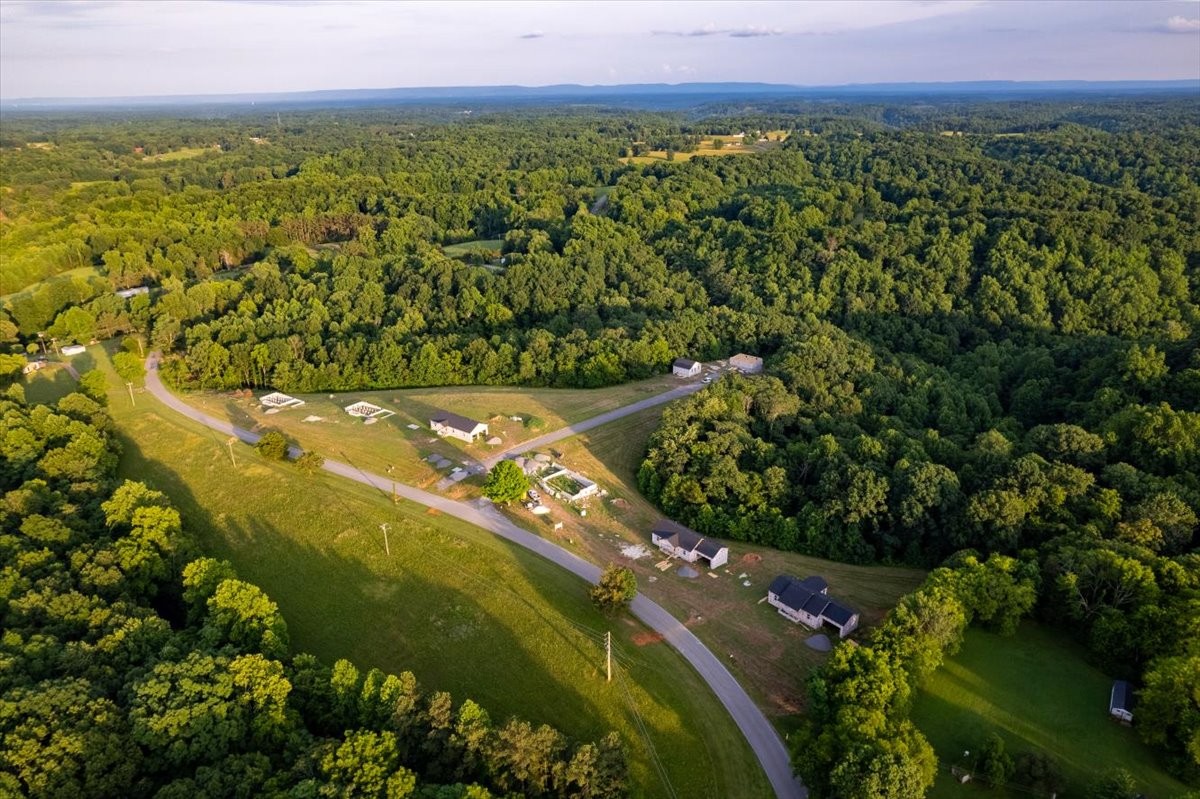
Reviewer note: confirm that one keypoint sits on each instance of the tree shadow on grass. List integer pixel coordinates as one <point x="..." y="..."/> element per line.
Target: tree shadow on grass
<point x="342" y="598"/>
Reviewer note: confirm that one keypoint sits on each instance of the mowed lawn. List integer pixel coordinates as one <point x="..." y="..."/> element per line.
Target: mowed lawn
<point x="390" y="446"/>
<point x="463" y="610"/>
<point x="764" y="651"/>
<point x="1038" y="693"/>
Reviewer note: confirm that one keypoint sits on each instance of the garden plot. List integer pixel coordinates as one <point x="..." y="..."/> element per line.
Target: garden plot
<point x="277" y="401"/>
<point x="368" y="411"/>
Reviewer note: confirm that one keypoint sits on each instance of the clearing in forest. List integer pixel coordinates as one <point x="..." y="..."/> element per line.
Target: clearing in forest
<point x="1037" y="692"/>
<point x="464" y="610"/>
<point x="768" y="654"/>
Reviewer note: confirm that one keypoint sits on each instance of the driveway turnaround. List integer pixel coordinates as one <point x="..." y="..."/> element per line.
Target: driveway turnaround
<point x="595" y="421"/>
<point x="761" y="736"/>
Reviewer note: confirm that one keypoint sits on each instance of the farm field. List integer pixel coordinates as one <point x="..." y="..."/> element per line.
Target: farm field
<point x="768" y="653"/>
<point x="463" y="610"/>
<point x="390" y="444"/>
<point x="1037" y="692"/>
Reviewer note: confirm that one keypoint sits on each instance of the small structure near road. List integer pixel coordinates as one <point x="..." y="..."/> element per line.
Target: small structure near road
<point x="32" y="366"/>
<point x="685" y="367"/>
<point x="133" y="292"/>
<point x="277" y="400"/>
<point x="451" y="425"/>
<point x="807" y="602"/>
<point x="746" y="364"/>
<point x="1120" y="702"/>
<point x="678" y="541"/>
<point x="74" y="349"/>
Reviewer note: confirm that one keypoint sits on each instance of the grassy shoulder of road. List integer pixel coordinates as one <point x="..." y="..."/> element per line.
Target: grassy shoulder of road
<point x="1035" y="690"/>
<point x="763" y="650"/>
<point x="399" y="445"/>
<point x="462" y="609"/>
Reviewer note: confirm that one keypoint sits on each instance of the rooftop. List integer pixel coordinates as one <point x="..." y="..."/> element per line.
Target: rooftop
<point x="449" y="419"/>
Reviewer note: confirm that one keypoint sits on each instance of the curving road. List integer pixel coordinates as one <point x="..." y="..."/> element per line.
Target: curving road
<point x="595" y="421"/>
<point x="761" y="736"/>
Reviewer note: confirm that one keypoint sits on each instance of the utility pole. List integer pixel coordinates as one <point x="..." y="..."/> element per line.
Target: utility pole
<point x="229" y="444"/>
<point x="395" y="499"/>
<point x="608" y="655"/>
<point x="129" y="386"/>
<point x="386" y="548"/>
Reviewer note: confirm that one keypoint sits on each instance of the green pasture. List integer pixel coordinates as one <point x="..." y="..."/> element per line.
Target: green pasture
<point x="1037" y="692"/>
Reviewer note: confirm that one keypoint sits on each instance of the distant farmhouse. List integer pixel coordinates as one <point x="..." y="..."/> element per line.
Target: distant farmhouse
<point x="685" y="367"/>
<point x="746" y="364"/>
<point x="678" y="541"/>
<point x="806" y="601"/>
<point x="451" y="425"/>
<point x="1120" y="702"/>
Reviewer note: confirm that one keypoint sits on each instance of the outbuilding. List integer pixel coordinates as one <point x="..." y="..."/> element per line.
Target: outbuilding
<point x="1120" y="702"/>
<point x="74" y="349"/>
<point x="685" y="367"/>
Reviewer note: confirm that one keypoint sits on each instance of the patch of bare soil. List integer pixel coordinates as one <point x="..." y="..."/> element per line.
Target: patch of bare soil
<point x="646" y="638"/>
<point x="752" y="558"/>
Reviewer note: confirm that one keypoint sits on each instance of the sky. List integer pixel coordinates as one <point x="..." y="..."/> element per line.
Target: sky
<point x="123" y="48"/>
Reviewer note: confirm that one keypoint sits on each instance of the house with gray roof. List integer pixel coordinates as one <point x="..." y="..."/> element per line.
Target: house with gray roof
<point x="451" y="425"/>
<point x="685" y="367"/>
<point x="807" y="601"/>
<point x="677" y="541"/>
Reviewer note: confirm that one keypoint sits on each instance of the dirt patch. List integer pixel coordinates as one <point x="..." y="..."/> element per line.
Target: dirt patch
<point x="752" y="558"/>
<point x="623" y="504"/>
<point x="644" y="639"/>
<point x="433" y="511"/>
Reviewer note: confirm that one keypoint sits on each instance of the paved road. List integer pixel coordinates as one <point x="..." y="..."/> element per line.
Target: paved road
<point x="595" y="421"/>
<point x="762" y="737"/>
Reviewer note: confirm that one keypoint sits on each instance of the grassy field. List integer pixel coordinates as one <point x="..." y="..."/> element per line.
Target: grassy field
<point x="730" y="145"/>
<point x="390" y="443"/>
<point x="84" y="272"/>
<point x="181" y="154"/>
<point x="485" y="246"/>
<point x="765" y="651"/>
<point x="1036" y="691"/>
<point x="463" y="610"/>
<point x="48" y="385"/>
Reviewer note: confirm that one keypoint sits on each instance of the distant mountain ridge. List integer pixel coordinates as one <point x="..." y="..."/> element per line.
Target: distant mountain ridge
<point x="636" y="93"/>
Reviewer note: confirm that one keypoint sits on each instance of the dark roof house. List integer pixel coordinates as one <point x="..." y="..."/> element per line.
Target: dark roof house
<point x="807" y="601"/>
<point x="684" y="363"/>
<point x="453" y="420"/>
<point x="1120" y="701"/>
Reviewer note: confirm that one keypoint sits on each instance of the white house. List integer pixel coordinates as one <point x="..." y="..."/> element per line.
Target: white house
<point x="32" y="366"/>
<point x="677" y="541"/>
<point x="685" y="367"/>
<point x="1120" y="702"/>
<point x="746" y="364"/>
<point x="447" y="424"/>
<point x="806" y="602"/>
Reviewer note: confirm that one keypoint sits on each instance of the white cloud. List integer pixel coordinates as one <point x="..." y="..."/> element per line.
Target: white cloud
<point x="1181" y="24"/>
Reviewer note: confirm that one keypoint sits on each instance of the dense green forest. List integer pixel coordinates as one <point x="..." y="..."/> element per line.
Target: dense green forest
<point x="130" y="666"/>
<point x="981" y="324"/>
